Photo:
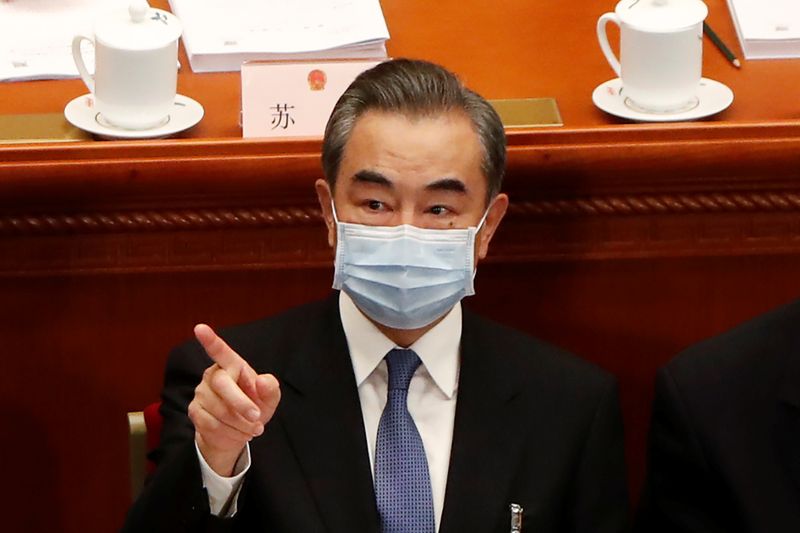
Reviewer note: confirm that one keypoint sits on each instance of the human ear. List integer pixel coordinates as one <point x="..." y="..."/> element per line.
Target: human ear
<point x="325" y="197"/>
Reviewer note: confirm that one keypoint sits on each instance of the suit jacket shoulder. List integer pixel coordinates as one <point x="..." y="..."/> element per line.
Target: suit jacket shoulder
<point x="268" y="343"/>
<point x="753" y="353"/>
<point x="529" y="358"/>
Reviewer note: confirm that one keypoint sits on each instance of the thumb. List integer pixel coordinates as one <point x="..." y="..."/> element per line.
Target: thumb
<point x="269" y="395"/>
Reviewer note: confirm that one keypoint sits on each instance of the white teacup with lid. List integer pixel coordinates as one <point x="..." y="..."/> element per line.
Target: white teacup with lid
<point x="661" y="52"/>
<point x="136" y="73"/>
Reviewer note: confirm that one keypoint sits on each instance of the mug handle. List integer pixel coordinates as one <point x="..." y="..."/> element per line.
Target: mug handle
<point x="78" y="57"/>
<point x="602" y="37"/>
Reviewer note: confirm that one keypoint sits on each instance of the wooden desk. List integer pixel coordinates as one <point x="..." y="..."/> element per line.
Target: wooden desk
<point x="624" y="242"/>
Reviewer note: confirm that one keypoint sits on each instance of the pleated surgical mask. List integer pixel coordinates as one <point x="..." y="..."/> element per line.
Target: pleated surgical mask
<point x="404" y="277"/>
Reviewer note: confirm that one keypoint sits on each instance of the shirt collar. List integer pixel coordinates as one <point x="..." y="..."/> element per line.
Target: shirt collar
<point x="438" y="348"/>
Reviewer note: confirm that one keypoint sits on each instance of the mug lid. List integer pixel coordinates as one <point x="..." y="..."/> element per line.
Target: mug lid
<point x="139" y="27"/>
<point x="661" y="15"/>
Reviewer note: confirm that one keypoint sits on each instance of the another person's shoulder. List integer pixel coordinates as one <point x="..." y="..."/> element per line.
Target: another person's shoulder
<point x="752" y="352"/>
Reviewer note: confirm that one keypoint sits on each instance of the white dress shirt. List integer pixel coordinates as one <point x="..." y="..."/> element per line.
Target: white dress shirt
<point x="431" y="399"/>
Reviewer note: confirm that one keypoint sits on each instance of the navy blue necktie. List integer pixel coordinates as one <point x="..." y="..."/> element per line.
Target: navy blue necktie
<point x="402" y="480"/>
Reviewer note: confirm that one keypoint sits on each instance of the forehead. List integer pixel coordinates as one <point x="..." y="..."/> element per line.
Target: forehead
<point x="415" y="150"/>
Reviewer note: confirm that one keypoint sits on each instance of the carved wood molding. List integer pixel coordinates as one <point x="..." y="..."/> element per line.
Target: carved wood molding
<point x="148" y="221"/>
<point x="660" y="204"/>
<point x="162" y="220"/>
<point x="520" y="240"/>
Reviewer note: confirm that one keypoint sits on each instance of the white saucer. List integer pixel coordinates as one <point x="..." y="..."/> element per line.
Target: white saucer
<point x="712" y="97"/>
<point x="80" y="113"/>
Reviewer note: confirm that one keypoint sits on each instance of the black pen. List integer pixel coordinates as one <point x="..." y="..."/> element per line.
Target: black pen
<point x="722" y="48"/>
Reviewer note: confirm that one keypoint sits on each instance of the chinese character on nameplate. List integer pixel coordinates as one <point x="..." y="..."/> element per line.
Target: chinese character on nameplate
<point x="281" y="118"/>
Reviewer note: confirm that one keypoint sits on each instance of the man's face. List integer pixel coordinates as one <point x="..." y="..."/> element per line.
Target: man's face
<point x="420" y="171"/>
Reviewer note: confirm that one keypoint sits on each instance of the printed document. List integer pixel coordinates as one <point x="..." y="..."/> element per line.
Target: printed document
<point x="767" y="28"/>
<point x="221" y="34"/>
<point x="36" y="36"/>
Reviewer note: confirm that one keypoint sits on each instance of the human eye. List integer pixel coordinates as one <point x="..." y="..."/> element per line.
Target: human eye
<point x="439" y="210"/>
<point x="375" y="206"/>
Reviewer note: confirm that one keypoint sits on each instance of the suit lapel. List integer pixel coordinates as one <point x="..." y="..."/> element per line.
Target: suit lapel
<point x="788" y="425"/>
<point x="321" y="412"/>
<point x="486" y="449"/>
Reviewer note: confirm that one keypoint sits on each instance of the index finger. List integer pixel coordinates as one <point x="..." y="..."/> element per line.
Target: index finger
<point x="218" y="350"/>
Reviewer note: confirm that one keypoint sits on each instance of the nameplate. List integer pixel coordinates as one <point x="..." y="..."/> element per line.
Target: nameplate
<point x="528" y="112"/>
<point x="39" y="128"/>
<point x="294" y="99"/>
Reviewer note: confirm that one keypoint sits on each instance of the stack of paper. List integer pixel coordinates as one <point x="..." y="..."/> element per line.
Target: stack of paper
<point x="36" y="36"/>
<point x="219" y="35"/>
<point x="767" y="28"/>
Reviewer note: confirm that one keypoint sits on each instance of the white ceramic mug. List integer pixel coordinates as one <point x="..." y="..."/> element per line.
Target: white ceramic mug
<point x="136" y="73"/>
<point x="661" y="52"/>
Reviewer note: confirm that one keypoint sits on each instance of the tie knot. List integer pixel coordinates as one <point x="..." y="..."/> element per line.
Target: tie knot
<point x="402" y="365"/>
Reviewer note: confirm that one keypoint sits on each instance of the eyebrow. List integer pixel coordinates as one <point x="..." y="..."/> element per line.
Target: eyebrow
<point x="447" y="184"/>
<point x="376" y="178"/>
<point x="444" y="184"/>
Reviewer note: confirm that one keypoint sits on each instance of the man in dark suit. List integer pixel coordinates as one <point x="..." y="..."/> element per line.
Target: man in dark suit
<point x="397" y="410"/>
<point x="724" y="452"/>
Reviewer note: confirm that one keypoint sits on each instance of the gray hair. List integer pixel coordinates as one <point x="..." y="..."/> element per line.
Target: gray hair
<point x="414" y="88"/>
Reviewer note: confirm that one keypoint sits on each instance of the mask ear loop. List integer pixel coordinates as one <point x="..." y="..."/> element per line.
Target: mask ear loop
<point x="333" y="209"/>
<point x="483" y="219"/>
<point x="478" y="229"/>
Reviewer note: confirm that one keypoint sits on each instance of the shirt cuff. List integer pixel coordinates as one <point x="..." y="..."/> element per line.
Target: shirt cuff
<point x="223" y="491"/>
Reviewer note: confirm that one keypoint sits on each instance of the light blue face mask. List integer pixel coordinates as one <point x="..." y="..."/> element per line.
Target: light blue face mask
<point x="404" y="277"/>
